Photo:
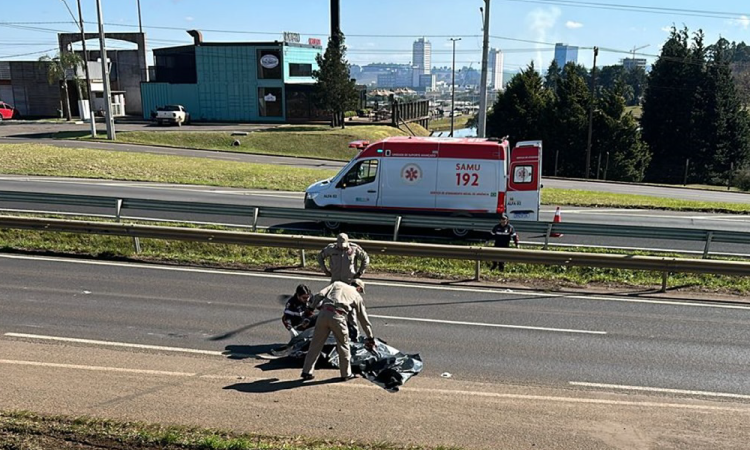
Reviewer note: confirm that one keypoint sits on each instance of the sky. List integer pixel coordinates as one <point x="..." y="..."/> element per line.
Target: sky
<point x="384" y="30"/>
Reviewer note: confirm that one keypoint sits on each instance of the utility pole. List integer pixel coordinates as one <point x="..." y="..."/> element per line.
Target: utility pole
<point x="482" y="119"/>
<point x="140" y="24"/>
<point x="453" y="85"/>
<point x="591" y="114"/>
<point x="105" y="76"/>
<point x="92" y="120"/>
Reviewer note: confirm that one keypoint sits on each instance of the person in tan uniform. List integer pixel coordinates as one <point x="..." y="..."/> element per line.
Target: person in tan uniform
<point x="336" y="301"/>
<point x="346" y="260"/>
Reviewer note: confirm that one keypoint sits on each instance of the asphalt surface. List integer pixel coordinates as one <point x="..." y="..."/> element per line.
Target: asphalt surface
<point x="503" y="369"/>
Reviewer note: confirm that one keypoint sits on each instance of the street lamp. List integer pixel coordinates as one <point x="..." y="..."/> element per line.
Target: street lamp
<point x="453" y="84"/>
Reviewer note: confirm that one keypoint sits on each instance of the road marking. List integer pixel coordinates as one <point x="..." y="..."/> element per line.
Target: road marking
<point x="661" y="390"/>
<point x="288" y="276"/>
<point x="404" y="390"/>
<point x="490" y="325"/>
<point x="115" y="344"/>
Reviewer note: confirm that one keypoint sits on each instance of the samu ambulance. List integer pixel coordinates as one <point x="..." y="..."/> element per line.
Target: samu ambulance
<point x="442" y="176"/>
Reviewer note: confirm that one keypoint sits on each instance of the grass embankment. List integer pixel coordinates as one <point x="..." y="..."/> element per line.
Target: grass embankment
<point x="23" y="430"/>
<point x="320" y="142"/>
<point x="32" y="159"/>
<point x="444" y="124"/>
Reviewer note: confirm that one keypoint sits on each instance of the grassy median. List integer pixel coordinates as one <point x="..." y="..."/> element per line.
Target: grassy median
<point x="288" y="140"/>
<point x="28" y="431"/>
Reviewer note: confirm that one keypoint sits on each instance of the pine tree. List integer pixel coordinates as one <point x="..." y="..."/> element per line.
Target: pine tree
<point x="667" y="118"/>
<point x="336" y="92"/>
<point x="568" y="122"/>
<point x="519" y="109"/>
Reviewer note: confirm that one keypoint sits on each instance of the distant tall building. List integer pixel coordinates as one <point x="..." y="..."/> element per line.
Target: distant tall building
<point x="495" y="66"/>
<point x="565" y="54"/>
<point x="632" y="63"/>
<point x="421" y="58"/>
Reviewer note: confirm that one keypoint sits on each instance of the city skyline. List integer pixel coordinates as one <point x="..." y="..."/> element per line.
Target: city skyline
<point x="525" y="30"/>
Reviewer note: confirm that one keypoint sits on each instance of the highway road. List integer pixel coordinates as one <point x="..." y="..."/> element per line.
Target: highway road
<point x="294" y="200"/>
<point x="39" y="133"/>
<point x="613" y="363"/>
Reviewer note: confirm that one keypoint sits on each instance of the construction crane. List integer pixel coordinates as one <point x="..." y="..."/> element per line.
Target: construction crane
<point x="635" y="49"/>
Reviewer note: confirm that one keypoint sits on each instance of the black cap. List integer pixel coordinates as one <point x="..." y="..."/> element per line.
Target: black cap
<point x="503" y="216"/>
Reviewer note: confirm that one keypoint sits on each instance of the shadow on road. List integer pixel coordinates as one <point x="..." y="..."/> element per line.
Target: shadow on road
<point x="274" y="385"/>
<point x="248" y="351"/>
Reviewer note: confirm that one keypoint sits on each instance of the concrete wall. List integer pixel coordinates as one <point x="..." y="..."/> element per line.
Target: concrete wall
<point x="125" y="75"/>
<point x="33" y="96"/>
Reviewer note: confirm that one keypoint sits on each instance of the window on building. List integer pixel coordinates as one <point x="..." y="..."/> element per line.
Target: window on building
<point x="300" y="70"/>
<point x="269" y="65"/>
<point x="270" y="102"/>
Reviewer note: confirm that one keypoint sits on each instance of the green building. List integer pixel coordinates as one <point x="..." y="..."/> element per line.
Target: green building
<point x="235" y="82"/>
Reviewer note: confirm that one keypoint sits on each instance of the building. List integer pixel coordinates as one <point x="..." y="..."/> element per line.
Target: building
<point x="421" y="59"/>
<point x="24" y="85"/>
<point x="565" y="53"/>
<point x="427" y="83"/>
<point x="632" y="63"/>
<point x="495" y="66"/>
<point x="236" y="81"/>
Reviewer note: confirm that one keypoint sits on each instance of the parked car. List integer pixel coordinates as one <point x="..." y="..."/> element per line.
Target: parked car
<point x="174" y="114"/>
<point x="7" y="112"/>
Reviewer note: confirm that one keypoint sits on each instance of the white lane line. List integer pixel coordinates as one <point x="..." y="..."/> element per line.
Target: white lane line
<point x="114" y="344"/>
<point x="490" y="325"/>
<point x="289" y="276"/>
<point x="96" y="368"/>
<point x="405" y="389"/>
<point x="661" y="390"/>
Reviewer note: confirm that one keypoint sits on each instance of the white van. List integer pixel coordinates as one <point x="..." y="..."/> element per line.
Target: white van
<point x="448" y="176"/>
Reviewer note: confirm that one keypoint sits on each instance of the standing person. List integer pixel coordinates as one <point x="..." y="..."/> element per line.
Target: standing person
<point x="297" y="316"/>
<point x="503" y="233"/>
<point x="336" y="302"/>
<point x="346" y="260"/>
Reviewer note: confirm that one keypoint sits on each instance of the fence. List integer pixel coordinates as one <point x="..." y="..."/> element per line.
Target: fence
<point x="477" y="254"/>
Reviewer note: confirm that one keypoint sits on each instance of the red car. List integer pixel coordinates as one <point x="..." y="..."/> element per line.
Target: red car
<point x="6" y="111"/>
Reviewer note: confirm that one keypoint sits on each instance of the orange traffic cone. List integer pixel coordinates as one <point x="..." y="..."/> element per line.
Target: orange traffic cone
<point x="557" y="219"/>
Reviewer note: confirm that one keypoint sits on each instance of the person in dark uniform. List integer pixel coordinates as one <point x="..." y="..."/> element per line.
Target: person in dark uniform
<point x="503" y="233"/>
<point x="296" y="315"/>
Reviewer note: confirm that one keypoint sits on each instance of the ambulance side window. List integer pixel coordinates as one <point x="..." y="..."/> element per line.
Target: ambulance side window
<point x="362" y="173"/>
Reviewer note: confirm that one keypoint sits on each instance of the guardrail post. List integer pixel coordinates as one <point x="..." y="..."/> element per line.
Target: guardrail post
<point x="664" y="276"/>
<point x="255" y="219"/>
<point x="709" y="238"/>
<point x="302" y="261"/>
<point x="546" y="237"/>
<point x="396" y="227"/>
<point x="136" y="239"/>
<point x="477" y="269"/>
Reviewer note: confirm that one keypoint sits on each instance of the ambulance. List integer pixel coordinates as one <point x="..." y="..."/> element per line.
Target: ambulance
<point x="461" y="177"/>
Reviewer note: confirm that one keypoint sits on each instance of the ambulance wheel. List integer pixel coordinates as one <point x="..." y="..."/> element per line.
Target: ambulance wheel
<point x="460" y="232"/>
<point x="333" y="226"/>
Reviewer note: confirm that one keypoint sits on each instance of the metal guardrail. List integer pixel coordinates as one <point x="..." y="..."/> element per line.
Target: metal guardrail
<point x="477" y="254"/>
<point x="547" y="229"/>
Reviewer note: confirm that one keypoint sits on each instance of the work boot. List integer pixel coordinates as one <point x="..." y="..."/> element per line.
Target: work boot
<point x="307" y="376"/>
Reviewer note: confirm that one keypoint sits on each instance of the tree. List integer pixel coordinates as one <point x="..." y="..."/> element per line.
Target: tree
<point x="667" y="109"/>
<point x="336" y="92"/>
<point x="519" y="110"/>
<point x="554" y="73"/>
<point x="567" y="122"/>
<point x="57" y="73"/>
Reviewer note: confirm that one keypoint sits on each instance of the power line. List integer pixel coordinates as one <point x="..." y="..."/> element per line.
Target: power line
<point x="642" y="9"/>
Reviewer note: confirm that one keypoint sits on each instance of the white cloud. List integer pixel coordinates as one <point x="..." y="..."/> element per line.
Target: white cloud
<point x="539" y="21"/>
<point x="573" y="25"/>
<point x="189" y="18"/>
<point x="742" y="21"/>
